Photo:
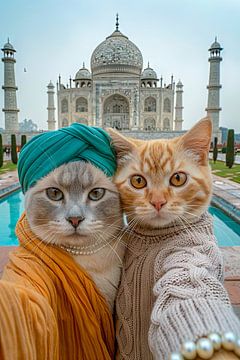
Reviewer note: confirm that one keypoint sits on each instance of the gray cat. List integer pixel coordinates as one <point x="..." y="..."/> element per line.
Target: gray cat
<point x="77" y="208"/>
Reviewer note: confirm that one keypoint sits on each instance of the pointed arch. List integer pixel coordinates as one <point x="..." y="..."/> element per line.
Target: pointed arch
<point x="149" y="124"/>
<point x="81" y="104"/>
<point x="116" y="112"/>
<point x="150" y="104"/>
<point x="167" y="105"/>
<point x="64" y="106"/>
<point x="166" y="124"/>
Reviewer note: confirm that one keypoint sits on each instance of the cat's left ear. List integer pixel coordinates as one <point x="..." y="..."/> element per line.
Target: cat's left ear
<point x="198" y="140"/>
<point x="121" y="144"/>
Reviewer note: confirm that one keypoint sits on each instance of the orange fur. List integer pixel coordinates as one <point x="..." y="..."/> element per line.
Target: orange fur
<point x="157" y="161"/>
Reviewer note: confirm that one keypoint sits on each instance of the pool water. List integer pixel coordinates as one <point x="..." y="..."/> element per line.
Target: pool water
<point x="226" y="230"/>
<point x="11" y="208"/>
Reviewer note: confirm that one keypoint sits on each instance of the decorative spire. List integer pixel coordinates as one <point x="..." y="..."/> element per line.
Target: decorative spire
<point x="8" y="41"/>
<point x="83" y="65"/>
<point x="161" y="81"/>
<point x="215" y="38"/>
<point x="148" y="64"/>
<point x="117" y="22"/>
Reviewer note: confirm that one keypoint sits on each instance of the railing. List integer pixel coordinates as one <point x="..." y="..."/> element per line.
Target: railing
<point x="9" y="189"/>
<point x="228" y="208"/>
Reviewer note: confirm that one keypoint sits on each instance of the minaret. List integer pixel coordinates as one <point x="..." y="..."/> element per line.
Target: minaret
<point x="10" y="88"/>
<point x="51" y="108"/>
<point x="179" y="107"/>
<point x="213" y="106"/>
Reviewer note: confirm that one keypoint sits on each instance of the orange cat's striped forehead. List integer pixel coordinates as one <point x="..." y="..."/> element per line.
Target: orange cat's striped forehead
<point x="157" y="156"/>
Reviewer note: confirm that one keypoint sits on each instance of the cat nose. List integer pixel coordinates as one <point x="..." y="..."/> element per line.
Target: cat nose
<point x="158" y="204"/>
<point x="75" y="220"/>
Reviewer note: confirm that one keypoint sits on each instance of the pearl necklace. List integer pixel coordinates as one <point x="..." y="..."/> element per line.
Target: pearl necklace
<point x="205" y="347"/>
<point x="85" y="249"/>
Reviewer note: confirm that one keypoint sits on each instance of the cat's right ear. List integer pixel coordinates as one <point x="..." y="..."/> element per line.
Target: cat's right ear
<point x="122" y="145"/>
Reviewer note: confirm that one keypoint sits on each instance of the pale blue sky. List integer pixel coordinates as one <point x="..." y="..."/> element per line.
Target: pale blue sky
<point x="56" y="36"/>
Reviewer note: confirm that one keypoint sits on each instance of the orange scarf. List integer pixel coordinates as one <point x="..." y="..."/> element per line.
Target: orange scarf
<point x="50" y="308"/>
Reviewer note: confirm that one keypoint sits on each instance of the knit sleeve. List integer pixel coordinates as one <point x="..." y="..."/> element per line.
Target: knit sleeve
<point x="190" y="298"/>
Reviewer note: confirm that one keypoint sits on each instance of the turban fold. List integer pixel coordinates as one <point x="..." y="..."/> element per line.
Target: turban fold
<point x="47" y="151"/>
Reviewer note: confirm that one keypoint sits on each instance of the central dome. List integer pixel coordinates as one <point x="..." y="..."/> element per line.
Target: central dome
<point x="116" y="54"/>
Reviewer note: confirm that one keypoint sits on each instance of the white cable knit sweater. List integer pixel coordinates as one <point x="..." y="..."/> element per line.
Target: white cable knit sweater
<point x="171" y="290"/>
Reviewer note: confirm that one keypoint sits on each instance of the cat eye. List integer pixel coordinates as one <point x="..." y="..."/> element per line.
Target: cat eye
<point x="96" y="194"/>
<point x="138" y="181"/>
<point x="178" y="179"/>
<point x="54" y="194"/>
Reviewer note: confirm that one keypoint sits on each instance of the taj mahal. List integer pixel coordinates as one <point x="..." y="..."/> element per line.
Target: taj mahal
<point x="117" y="93"/>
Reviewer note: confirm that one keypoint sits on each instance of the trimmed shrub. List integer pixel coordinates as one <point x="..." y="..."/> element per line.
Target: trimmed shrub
<point x="230" y="149"/>
<point x="1" y="151"/>
<point x="23" y="140"/>
<point x="14" y="149"/>
<point x="224" y="150"/>
<point x="215" y="150"/>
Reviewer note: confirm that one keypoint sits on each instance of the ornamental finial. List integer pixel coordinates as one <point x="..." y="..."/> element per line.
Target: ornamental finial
<point x="215" y="38"/>
<point x="148" y="64"/>
<point x="117" y="22"/>
<point x="83" y="65"/>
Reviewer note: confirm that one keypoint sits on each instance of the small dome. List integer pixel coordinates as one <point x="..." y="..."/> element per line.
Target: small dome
<point x="149" y="74"/>
<point x="50" y="85"/>
<point x="179" y="84"/>
<point x="83" y="73"/>
<point x="8" y="46"/>
<point x="215" y="45"/>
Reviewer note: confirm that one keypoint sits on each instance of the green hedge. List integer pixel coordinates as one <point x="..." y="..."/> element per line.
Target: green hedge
<point x="23" y="140"/>
<point x="1" y="151"/>
<point x="230" y="149"/>
<point x="14" y="149"/>
<point x="215" y="150"/>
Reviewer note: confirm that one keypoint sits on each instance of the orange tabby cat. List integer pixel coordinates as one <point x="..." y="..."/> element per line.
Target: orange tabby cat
<point x="165" y="188"/>
<point x="161" y="181"/>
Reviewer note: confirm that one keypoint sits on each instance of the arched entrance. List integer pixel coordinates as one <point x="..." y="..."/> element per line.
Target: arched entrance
<point x="116" y="112"/>
<point x="149" y="124"/>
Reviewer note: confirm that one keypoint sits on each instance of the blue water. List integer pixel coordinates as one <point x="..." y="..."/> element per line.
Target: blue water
<point x="11" y="207"/>
<point x="226" y="230"/>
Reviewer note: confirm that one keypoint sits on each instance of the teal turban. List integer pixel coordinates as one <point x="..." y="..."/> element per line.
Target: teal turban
<point x="47" y="151"/>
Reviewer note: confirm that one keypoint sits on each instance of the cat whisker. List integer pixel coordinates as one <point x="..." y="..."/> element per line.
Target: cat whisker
<point x="190" y="227"/>
<point x="45" y="243"/>
<point x="190" y="213"/>
<point x="108" y="244"/>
